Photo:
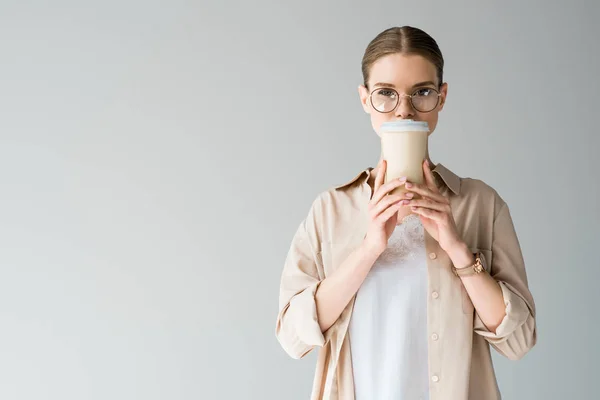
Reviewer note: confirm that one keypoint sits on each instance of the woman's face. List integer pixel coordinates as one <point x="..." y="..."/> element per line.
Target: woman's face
<point x="406" y="74"/>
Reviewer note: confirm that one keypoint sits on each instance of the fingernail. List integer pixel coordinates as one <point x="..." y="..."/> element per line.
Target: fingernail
<point x="410" y="195"/>
<point x="408" y="184"/>
<point x="405" y="202"/>
<point x="403" y="179"/>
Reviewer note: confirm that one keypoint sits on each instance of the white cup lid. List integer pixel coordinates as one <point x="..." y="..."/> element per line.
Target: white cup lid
<point x="405" y="125"/>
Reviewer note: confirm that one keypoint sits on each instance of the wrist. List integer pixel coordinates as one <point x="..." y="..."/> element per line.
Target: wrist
<point x="460" y="255"/>
<point x="369" y="250"/>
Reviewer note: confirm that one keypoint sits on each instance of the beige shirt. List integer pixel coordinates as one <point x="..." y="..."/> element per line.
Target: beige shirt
<point x="460" y="365"/>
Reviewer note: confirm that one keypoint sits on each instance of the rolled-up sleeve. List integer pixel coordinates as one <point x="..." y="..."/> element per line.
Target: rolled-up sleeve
<point x="516" y="334"/>
<point x="298" y="329"/>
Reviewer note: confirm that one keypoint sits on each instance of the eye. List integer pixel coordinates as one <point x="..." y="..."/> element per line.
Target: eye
<point x="424" y="92"/>
<point x="386" y="93"/>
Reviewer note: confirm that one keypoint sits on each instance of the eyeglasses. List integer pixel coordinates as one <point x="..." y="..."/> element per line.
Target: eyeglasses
<point x="386" y="100"/>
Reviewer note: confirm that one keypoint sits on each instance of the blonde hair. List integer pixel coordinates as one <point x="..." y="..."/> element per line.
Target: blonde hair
<point x="406" y="40"/>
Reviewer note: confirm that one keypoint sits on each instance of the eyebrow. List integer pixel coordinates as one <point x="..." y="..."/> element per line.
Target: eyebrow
<point x="391" y="85"/>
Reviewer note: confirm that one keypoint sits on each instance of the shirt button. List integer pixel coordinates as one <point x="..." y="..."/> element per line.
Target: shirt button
<point x="435" y="337"/>
<point x="435" y="295"/>
<point x="435" y="378"/>
<point x="433" y="256"/>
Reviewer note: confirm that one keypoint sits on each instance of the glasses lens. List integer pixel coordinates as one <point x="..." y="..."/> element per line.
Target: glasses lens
<point x="425" y="100"/>
<point x="384" y="100"/>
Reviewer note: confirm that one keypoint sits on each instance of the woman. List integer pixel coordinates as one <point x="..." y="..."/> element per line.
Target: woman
<point x="405" y="296"/>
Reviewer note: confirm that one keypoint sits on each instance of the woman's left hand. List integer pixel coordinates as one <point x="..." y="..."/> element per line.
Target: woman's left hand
<point x="434" y="211"/>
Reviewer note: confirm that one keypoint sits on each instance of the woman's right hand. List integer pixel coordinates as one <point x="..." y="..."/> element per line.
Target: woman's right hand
<point x="383" y="211"/>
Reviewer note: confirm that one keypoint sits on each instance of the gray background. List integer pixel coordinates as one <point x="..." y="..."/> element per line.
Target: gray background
<point x="157" y="157"/>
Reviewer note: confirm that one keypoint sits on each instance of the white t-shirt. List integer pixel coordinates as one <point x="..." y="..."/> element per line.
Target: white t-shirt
<point x="388" y="328"/>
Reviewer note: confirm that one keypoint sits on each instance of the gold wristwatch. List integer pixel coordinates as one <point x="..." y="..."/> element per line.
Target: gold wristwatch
<point x="473" y="269"/>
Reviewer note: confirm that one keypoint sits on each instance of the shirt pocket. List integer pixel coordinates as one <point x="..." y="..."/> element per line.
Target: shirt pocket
<point x="467" y="304"/>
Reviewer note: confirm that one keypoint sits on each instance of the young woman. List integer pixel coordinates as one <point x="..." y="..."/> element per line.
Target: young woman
<point x="404" y="294"/>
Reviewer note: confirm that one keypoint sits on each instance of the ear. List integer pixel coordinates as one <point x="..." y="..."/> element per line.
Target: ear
<point x="363" y="93"/>
<point x="444" y="94"/>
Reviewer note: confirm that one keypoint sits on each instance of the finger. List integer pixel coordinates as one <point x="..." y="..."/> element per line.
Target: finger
<point x="428" y="175"/>
<point x="430" y="204"/>
<point x="389" y="213"/>
<point x="426" y="192"/>
<point x="380" y="175"/>
<point x="428" y="213"/>
<point x="384" y="204"/>
<point x="386" y="188"/>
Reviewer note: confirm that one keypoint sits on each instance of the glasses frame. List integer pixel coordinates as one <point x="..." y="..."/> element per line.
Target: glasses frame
<point x="410" y="96"/>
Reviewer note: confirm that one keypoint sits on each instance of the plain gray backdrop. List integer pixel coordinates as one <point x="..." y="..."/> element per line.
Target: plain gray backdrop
<point x="157" y="157"/>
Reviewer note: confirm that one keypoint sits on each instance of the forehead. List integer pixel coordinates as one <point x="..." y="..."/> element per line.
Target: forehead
<point x="402" y="70"/>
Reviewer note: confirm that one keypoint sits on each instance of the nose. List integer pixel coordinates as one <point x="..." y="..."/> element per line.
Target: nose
<point x="405" y="109"/>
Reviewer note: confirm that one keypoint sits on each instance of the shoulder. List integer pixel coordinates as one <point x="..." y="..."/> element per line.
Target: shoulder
<point x="340" y="203"/>
<point x="471" y="191"/>
<point x="477" y="187"/>
<point x="340" y="200"/>
<point x="351" y="190"/>
<point x="479" y="191"/>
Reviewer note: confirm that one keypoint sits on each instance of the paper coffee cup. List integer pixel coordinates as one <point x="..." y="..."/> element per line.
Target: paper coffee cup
<point x="404" y="148"/>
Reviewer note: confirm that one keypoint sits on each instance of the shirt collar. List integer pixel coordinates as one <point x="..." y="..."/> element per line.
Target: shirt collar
<point x="449" y="178"/>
